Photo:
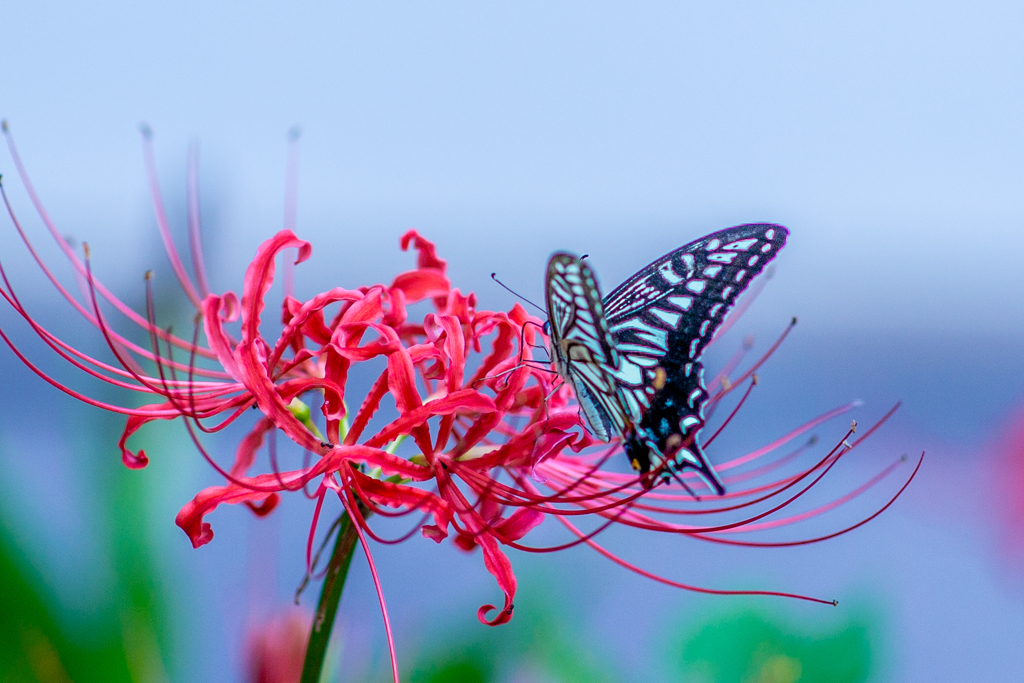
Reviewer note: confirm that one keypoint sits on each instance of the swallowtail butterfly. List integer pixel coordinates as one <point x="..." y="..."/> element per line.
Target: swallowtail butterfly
<point x="633" y="357"/>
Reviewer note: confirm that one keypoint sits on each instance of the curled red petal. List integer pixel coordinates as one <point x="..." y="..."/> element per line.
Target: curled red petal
<point x="397" y="495"/>
<point x="417" y="285"/>
<point x="251" y="360"/>
<point x="402" y="381"/>
<point x="446" y="333"/>
<point x="498" y="565"/>
<point x="214" y="310"/>
<point x="518" y="524"/>
<point x="466" y="400"/>
<point x="132" y="460"/>
<point x="427" y="251"/>
<point x="260" y="275"/>
<point x="245" y="454"/>
<point x="266" y="507"/>
<point x="190" y="517"/>
<point x="434" y="533"/>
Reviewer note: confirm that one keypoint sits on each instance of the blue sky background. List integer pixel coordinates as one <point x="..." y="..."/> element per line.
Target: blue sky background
<point x="886" y="135"/>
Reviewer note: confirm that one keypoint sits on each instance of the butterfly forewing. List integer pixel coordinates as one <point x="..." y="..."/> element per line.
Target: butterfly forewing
<point x="583" y="346"/>
<point x="661" y="320"/>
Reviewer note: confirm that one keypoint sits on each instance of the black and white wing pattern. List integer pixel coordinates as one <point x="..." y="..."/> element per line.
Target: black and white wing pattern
<point x="582" y="347"/>
<point x="660" y="320"/>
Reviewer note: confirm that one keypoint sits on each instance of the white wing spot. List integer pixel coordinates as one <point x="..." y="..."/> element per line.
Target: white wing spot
<point x="685" y="454"/>
<point x="681" y="302"/>
<point x="713" y="244"/>
<point x="704" y="327"/>
<point x="723" y="257"/>
<point x="696" y="286"/>
<point x="770" y="235"/>
<point x="670" y="275"/>
<point x="714" y="310"/>
<point x="740" y="245"/>
<point x="726" y="292"/>
<point x="629" y="373"/>
<point x="672" y="319"/>
<point x="694" y="395"/>
<point x="688" y="422"/>
<point x="766" y="248"/>
<point x="712" y="271"/>
<point x="655" y="336"/>
<point x="740" y="275"/>
<point x="693" y="347"/>
<point x="689" y="263"/>
<point x="752" y="260"/>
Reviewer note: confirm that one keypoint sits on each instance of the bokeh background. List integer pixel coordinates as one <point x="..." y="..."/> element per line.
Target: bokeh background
<point x="886" y="135"/>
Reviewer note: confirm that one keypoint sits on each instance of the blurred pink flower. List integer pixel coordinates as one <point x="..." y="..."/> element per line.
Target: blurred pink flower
<point x="276" y="648"/>
<point x="497" y="444"/>
<point x="1009" y="481"/>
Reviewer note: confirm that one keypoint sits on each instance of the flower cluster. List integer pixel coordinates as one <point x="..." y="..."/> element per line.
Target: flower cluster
<point x="494" y="443"/>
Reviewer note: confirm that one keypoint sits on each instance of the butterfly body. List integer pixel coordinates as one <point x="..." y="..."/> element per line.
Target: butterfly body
<point x="633" y="357"/>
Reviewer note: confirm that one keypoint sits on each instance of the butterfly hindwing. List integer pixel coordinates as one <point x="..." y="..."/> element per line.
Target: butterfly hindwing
<point x="661" y="320"/>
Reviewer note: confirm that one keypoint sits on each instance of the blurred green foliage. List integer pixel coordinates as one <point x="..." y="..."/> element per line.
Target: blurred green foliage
<point x="127" y="639"/>
<point x="538" y="645"/>
<point x="121" y="640"/>
<point x="744" y="646"/>
<point x="751" y="647"/>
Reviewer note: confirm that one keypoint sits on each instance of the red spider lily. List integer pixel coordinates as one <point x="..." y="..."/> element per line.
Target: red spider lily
<point x="496" y="445"/>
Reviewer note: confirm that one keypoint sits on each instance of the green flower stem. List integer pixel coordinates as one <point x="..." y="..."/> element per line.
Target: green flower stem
<point x="330" y="596"/>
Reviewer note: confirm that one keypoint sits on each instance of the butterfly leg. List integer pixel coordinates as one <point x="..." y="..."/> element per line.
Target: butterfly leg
<point x="643" y="452"/>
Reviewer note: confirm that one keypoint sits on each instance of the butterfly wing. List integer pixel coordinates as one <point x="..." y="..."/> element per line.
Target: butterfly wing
<point x="582" y="346"/>
<point x="661" y="320"/>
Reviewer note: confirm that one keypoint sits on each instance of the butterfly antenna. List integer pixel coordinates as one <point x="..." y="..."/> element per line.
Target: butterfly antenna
<point x="494" y="276"/>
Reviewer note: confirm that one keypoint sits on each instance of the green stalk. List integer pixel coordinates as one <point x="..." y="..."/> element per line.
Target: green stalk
<point x="330" y="596"/>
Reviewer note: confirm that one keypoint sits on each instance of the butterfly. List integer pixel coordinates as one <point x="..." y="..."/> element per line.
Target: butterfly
<point x="633" y="357"/>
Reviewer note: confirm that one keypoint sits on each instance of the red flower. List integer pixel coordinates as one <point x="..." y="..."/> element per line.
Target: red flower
<point x="495" y="446"/>
<point x="276" y="648"/>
